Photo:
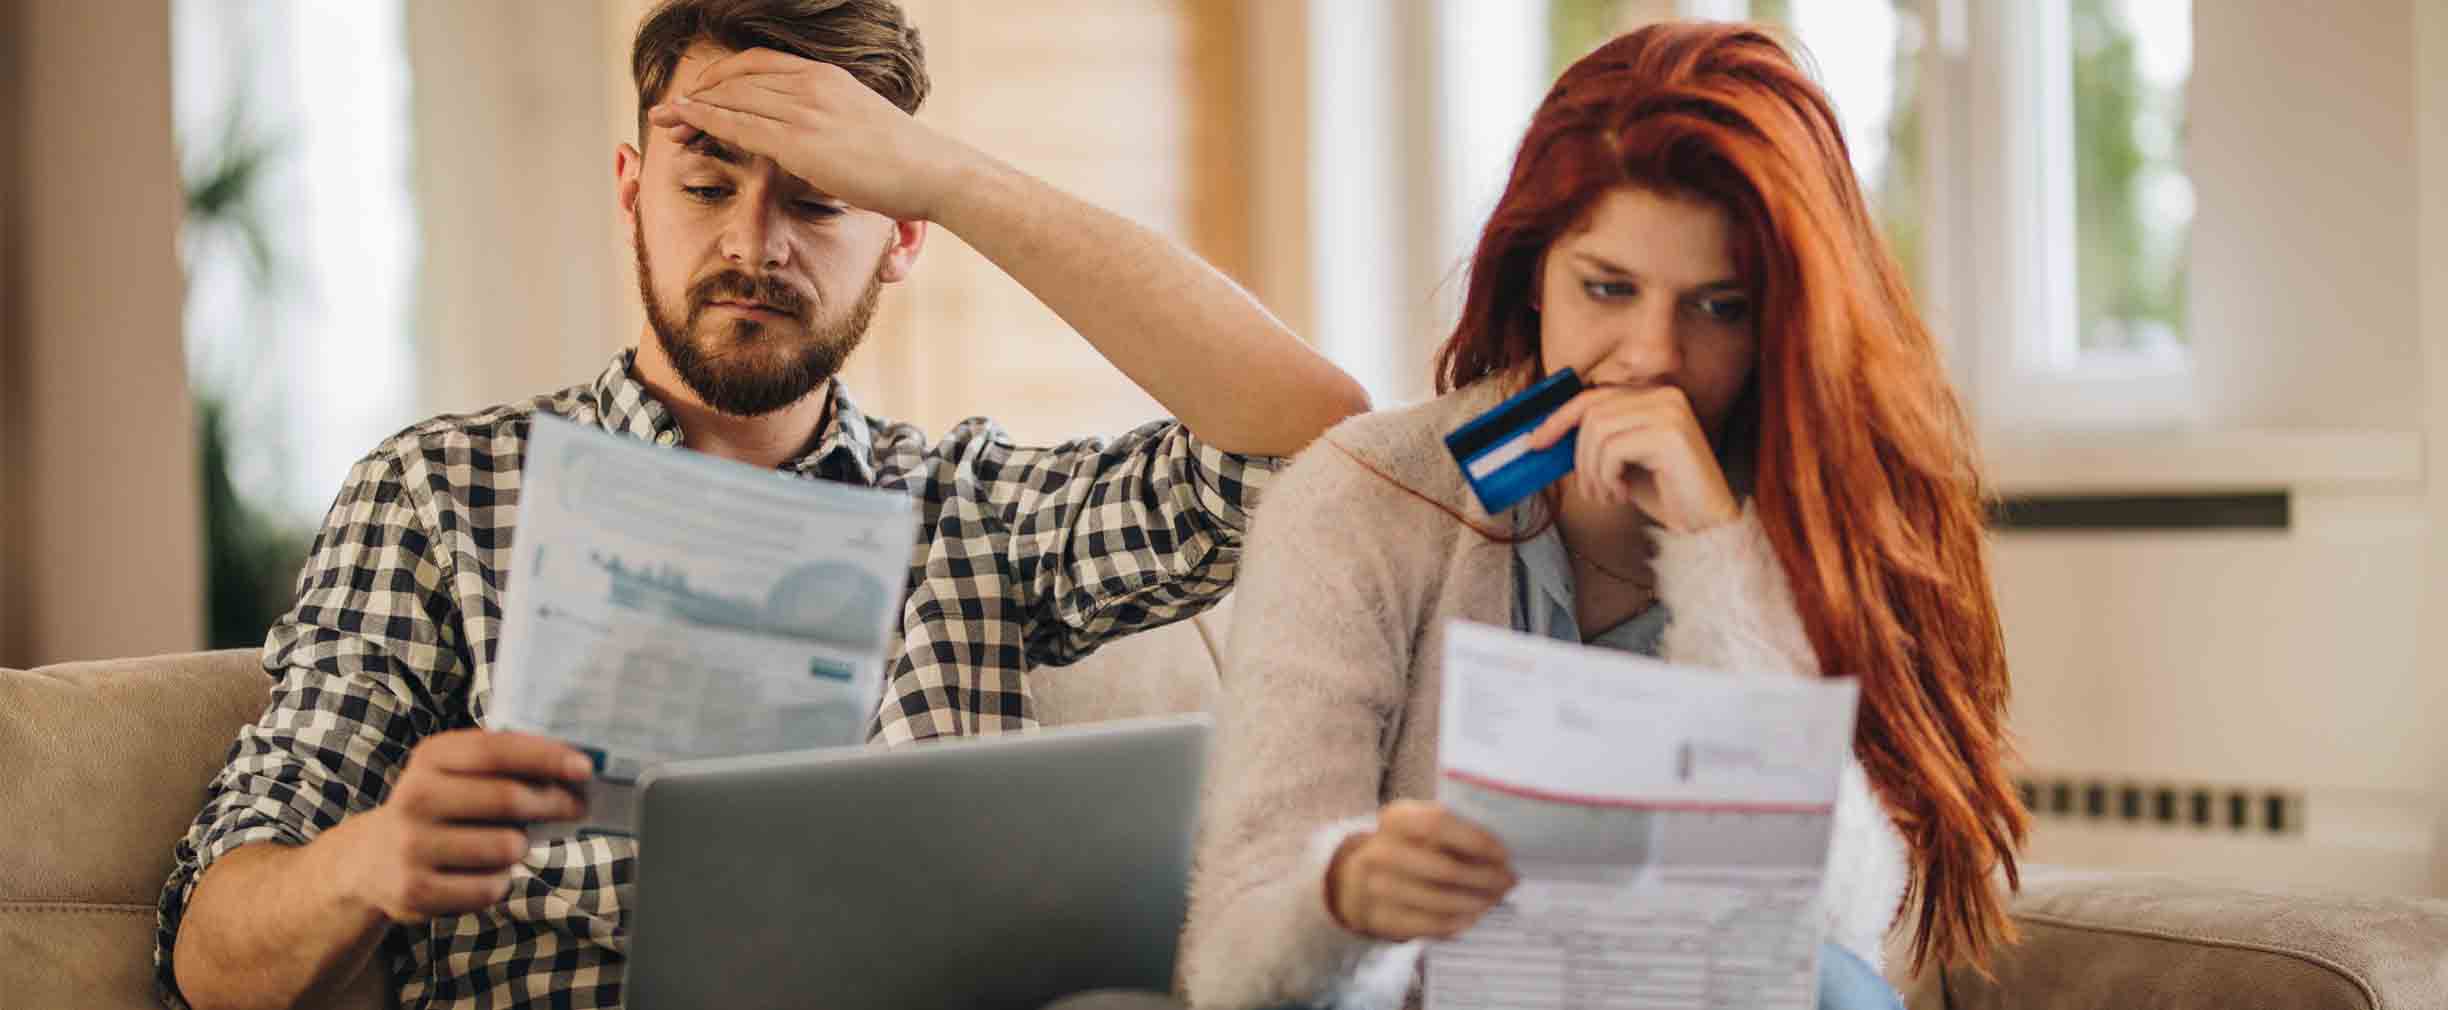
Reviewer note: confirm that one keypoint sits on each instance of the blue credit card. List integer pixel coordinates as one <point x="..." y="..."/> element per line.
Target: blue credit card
<point x="1494" y="448"/>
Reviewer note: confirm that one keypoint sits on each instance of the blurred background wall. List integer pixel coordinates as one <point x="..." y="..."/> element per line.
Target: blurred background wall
<point x="2190" y="255"/>
<point x="99" y="527"/>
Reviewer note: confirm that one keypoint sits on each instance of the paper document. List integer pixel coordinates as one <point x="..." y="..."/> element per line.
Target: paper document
<point x="1670" y="827"/>
<point x="666" y="604"/>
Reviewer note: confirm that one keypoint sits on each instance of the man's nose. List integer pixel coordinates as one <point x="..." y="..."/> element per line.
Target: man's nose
<point x="754" y="237"/>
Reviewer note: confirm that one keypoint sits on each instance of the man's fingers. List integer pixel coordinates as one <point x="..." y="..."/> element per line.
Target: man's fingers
<point x="494" y="799"/>
<point x="753" y="61"/>
<point x="749" y="132"/>
<point x="437" y="894"/>
<point x="502" y="752"/>
<point x="681" y="133"/>
<point x="752" y="96"/>
<point x="470" y="849"/>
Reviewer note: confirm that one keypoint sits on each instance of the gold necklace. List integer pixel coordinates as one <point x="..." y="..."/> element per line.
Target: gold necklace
<point x="1646" y="580"/>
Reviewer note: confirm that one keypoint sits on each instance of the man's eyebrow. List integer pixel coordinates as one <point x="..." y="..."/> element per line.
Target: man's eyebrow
<point x="705" y="144"/>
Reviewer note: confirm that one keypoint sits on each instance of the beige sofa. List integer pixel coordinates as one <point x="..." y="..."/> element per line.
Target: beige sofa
<point x="103" y="763"/>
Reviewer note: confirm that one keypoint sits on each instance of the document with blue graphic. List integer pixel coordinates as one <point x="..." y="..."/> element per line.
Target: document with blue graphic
<point x="1670" y="826"/>
<point x="666" y="604"/>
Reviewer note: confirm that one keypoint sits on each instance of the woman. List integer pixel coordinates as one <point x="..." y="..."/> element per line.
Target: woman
<point x="1771" y="476"/>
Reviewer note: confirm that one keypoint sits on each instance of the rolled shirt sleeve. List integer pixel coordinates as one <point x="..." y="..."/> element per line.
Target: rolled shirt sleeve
<point x="1040" y="555"/>
<point x="362" y="666"/>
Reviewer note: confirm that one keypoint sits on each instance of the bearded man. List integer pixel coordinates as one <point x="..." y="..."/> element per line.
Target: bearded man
<point x="367" y="822"/>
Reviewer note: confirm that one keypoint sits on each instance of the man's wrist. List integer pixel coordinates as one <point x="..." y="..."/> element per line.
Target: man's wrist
<point x="970" y="181"/>
<point x="339" y="872"/>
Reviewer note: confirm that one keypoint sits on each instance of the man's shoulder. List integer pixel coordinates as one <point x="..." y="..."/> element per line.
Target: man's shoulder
<point x="470" y="448"/>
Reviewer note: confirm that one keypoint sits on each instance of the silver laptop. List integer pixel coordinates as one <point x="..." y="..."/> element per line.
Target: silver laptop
<point x="1005" y="872"/>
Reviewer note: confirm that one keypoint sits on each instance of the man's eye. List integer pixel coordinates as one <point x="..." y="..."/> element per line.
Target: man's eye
<point x="707" y="194"/>
<point x="1727" y="308"/>
<point x="1609" y="290"/>
<point x="818" y="209"/>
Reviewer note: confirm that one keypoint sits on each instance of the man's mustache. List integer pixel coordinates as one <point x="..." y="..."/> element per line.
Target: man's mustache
<point x="763" y="290"/>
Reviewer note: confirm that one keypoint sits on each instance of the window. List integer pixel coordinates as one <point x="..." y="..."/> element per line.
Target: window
<point x="2133" y="202"/>
<point x="2026" y="161"/>
<point x="299" y="248"/>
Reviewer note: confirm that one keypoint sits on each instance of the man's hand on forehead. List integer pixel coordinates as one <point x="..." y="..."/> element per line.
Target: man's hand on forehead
<point x="699" y="143"/>
<point x="820" y="124"/>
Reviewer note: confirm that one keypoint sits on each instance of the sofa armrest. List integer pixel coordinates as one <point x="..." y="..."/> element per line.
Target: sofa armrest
<point x="2146" y="940"/>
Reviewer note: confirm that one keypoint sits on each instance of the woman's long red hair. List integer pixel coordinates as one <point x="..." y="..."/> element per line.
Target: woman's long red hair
<point x="1863" y="470"/>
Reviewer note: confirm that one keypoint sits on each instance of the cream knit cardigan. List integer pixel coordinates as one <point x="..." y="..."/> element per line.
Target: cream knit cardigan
<point x="1331" y="679"/>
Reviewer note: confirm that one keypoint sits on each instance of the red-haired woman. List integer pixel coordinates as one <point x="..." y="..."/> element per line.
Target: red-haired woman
<point x="1772" y="477"/>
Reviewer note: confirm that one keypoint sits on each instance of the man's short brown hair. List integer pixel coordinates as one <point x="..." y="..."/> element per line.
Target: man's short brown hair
<point x="872" y="39"/>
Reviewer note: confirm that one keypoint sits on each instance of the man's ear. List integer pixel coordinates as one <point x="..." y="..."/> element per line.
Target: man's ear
<point x="628" y="167"/>
<point x="902" y="255"/>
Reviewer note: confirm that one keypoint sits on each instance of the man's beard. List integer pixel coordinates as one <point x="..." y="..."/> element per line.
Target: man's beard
<point x="740" y="366"/>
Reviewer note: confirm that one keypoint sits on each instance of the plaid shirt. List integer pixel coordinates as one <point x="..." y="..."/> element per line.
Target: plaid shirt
<point x="1025" y="557"/>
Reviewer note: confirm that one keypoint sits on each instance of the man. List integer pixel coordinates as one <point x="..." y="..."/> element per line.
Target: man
<point x="779" y="182"/>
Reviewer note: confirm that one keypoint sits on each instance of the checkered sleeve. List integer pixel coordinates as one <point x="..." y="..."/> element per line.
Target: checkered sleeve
<point x="1042" y="555"/>
<point x="1112" y="538"/>
<point x="365" y="667"/>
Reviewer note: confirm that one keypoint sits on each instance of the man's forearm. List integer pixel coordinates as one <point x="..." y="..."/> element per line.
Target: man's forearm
<point x="269" y="925"/>
<point x="1183" y="331"/>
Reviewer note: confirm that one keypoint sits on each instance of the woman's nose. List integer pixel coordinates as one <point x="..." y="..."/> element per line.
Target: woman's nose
<point x="1646" y="351"/>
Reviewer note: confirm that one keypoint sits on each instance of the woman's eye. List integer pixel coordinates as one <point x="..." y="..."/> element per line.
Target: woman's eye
<point x="818" y="209"/>
<point x="1609" y="290"/>
<point x="1726" y="308"/>
<point x="707" y="194"/>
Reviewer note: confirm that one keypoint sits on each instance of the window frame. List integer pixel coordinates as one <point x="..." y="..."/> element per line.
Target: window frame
<point x="2005" y="297"/>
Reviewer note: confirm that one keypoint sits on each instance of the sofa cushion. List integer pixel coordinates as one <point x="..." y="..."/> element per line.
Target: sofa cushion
<point x="2143" y="940"/>
<point x="107" y="762"/>
<point x="1159" y="672"/>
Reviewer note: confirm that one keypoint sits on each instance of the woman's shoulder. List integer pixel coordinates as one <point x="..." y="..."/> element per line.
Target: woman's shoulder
<point x="1401" y="450"/>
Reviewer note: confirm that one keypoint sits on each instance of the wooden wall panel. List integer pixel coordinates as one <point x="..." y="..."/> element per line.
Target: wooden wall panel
<point x="1119" y="101"/>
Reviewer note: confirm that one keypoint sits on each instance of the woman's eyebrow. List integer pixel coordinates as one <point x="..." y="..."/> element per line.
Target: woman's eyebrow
<point x="1607" y="266"/>
<point x="1602" y="264"/>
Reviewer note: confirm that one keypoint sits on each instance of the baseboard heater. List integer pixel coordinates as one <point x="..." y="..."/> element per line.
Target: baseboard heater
<point x="2260" y="510"/>
<point x="2237" y="809"/>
